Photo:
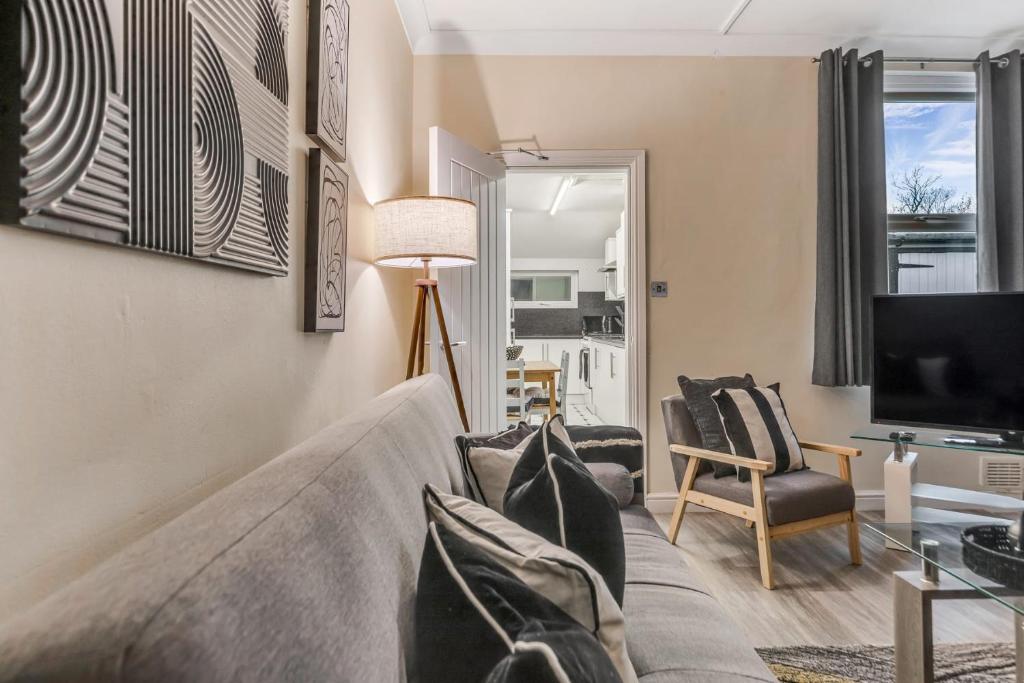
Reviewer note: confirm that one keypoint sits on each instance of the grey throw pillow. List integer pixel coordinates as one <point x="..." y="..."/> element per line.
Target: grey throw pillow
<point x="615" y="478"/>
<point x="704" y="411"/>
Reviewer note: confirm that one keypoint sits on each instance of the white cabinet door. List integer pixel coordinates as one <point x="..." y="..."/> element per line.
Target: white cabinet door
<point x="608" y="379"/>
<point x="533" y="349"/>
<point x="616" y="386"/>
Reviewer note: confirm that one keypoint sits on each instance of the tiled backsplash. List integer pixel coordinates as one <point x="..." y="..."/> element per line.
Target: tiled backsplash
<point x="563" y="322"/>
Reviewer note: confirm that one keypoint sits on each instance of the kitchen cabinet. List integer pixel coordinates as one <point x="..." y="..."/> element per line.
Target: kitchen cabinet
<point x="551" y="350"/>
<point x="608" y="382"/>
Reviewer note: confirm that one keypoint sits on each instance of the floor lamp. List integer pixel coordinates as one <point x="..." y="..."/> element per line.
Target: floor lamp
<point x="425" y="232"/>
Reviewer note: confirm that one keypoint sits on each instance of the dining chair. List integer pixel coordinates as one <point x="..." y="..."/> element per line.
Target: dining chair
<point x="540" y="395"/>
<point x="518" y="402"/>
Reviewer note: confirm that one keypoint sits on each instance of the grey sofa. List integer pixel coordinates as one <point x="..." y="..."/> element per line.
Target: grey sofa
<point x="305" y="570"/>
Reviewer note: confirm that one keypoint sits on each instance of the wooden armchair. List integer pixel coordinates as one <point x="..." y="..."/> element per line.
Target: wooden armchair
<point x="777" y="507"/>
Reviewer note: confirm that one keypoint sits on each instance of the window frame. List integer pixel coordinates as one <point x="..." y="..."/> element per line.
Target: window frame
<point x="897" y="224"/>
<point x="574" y="280"/>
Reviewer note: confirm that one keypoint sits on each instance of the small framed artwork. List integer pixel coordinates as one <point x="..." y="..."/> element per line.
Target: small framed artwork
<point x="327" y="76"/>
<point x="326" y="244"/>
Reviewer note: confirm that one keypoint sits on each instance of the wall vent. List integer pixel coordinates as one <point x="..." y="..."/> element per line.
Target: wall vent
<point x="1003" y="475"/>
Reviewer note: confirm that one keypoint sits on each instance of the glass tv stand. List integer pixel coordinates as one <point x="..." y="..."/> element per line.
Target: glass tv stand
<point x="908" y="501"/>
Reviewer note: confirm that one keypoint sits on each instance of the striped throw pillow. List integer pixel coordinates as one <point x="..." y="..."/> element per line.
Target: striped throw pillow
<point x="757" y="427"/>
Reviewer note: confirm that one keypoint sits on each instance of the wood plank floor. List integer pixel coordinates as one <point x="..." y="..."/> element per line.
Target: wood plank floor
<point x="820" y="599"/>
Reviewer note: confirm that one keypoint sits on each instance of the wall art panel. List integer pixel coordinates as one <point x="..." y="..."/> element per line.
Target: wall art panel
<point x="327" y="76"/>
<point x="161" y="125"/>
<point x="326" y="244"/>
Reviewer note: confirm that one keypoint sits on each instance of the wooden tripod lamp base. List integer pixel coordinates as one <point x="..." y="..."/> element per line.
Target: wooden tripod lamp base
<point x="427" y="289"/>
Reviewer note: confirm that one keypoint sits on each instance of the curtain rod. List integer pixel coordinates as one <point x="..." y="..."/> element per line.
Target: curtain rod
<point x="999" y="61"/>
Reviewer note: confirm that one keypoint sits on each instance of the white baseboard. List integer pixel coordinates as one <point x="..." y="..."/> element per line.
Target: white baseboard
<point x="664" y="503"/>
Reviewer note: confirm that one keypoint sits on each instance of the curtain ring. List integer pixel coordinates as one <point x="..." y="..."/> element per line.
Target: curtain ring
<point x="1003" y="62"/>
<point x="866" y="62"/>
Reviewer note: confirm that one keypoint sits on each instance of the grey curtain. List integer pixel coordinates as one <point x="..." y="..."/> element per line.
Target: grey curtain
<point x="1000" y="128"/>
<point x="851" y="215"/>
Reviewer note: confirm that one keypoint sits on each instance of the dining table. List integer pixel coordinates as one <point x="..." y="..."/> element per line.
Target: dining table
<point x="541" y="372"/>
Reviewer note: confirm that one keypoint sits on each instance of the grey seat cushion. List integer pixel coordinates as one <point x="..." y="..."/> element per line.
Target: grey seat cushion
<point x="789" y="497"/>
<point x="675" y="630"/>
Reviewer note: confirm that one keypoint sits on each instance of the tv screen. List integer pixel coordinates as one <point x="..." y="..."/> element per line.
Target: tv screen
<point x="949" y="361"/>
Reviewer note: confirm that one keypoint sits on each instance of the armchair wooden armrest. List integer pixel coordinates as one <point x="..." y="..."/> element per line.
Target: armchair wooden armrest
<point x="844" y="453"/>
<point x="829" y="448"/>
<point x="727" y="458"/>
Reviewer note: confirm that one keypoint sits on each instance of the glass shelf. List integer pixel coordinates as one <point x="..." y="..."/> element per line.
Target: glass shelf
<point x="934" y="439"/>
<point x="950" y="556"/>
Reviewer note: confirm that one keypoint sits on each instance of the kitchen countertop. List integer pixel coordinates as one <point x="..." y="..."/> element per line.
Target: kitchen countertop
<point x="549" y="336"/>
<point x="618" y="341"/>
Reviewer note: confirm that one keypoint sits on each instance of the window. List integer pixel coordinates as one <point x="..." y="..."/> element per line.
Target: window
<point x="544" y="289"/>
<point x="930" y="174"/>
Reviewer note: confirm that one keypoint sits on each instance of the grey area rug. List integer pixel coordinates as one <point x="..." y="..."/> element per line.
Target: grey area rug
<point x="975" y="663"/>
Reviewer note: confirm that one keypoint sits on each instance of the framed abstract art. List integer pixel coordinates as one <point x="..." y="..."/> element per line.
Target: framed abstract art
<point x="327" y="76"/>
<point x="154" y="125"/>
<point x="326" y="244"/>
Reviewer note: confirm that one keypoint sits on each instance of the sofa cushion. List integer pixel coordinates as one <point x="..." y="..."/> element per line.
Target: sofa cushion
<point x="490" y="468"/>
<point x="789" y="497"/>
<point x="683" y="635"/>
<point x="674" y="629"/>
<point x="655" y="561"/>
<point x="615" y="478"/>
<point x="554" y="495"/>
<point x="477" y="621"/>
<point x="558" y="574"/>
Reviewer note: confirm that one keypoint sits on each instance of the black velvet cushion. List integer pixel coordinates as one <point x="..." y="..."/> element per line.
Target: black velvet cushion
<point x="697" y="394"/>
<point x="475" y="621"/>
<point x="554" y="495"/>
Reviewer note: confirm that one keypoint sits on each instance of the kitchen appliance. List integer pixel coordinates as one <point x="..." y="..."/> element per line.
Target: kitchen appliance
<point x="588" y="391"/>
<point x="952" y="361"/>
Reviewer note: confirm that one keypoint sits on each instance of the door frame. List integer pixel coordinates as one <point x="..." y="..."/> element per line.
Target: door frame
<point x="634" y="161"/>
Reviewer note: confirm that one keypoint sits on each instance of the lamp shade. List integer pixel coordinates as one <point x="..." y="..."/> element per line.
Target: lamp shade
<point x="412" y="229"/>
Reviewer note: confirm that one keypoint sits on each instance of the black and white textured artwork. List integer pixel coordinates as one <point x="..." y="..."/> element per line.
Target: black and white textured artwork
<point x="326" y="244"/>
<point x="156" y="124"/>
<point x="327" y="76"/>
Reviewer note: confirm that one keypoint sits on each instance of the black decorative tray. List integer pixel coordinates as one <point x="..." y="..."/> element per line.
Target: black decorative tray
<point x="989" y="552"/>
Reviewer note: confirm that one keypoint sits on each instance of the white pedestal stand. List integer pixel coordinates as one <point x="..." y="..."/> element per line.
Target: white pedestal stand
<point x="900" y="477"/>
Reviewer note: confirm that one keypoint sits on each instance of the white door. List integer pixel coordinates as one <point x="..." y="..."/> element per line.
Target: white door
<point x="473" y="298"/>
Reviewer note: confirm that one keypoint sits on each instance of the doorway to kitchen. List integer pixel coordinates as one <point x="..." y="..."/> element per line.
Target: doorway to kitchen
<point x="571" y="230"/>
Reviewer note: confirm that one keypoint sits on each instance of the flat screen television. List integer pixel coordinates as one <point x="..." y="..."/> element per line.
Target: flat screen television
<point x="949" y="361"/>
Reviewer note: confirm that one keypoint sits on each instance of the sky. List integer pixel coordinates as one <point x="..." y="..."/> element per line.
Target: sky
<point x="938" y="136"/>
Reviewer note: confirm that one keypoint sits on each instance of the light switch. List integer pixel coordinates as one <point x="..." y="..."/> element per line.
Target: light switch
<point x="659" y="288"/>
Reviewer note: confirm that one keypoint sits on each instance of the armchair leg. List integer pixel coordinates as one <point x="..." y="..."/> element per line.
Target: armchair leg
<point x="853" y="538"/>
<point x="677" y="514"/>
<point x="764" y="547"/>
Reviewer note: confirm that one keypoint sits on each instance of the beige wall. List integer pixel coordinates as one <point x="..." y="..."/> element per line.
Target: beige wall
<point x="730" y="210"/>
<point x="133" y="385"/>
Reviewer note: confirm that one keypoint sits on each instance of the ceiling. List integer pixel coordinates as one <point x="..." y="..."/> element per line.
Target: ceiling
<point x="589" y="212"/>
<point x="908" y="28"/>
